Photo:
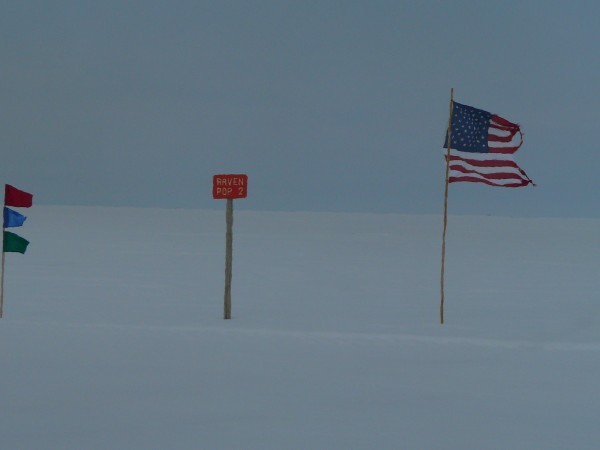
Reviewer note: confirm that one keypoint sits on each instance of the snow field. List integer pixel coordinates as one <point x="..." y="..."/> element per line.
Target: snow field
<point x="113" y="336"/>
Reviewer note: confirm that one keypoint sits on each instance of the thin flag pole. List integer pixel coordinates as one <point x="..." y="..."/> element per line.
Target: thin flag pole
<point x="2" y="276"/>
<point x="228" y="258"/>
<point x="3" y="259"/>
<point x="446" y="205"/>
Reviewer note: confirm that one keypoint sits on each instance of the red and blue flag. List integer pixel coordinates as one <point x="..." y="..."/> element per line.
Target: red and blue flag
<point x="482" y="148"/>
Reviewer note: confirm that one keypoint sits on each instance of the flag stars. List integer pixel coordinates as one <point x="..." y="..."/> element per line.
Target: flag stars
<point x="470" y="128"/>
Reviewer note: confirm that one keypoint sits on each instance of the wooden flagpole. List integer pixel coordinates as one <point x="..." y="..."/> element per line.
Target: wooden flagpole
<point x="3" y="260"/>
<point x="228" y="257"/>
<point x="446" y="205"/>
<point x="2" y="278"/>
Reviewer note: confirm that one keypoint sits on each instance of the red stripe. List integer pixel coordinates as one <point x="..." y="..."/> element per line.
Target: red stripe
<point x="489" y="163"/>
<point x="506" y="124"/>
<point x="489" y="176"/>
<point x="503" y="128"/>
<point x="490" y="183"/>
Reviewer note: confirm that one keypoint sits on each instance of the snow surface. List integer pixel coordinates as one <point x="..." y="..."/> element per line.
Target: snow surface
<point x="113" y="336"/>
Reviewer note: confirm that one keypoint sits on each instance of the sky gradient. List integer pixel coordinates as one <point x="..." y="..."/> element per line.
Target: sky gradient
<point x="326" y="105"/>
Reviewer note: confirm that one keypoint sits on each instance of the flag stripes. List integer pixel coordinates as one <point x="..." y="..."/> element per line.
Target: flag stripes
<point x="489" y="168"/>
<point x="503" y="135"/>
<point x="482" y="148"/>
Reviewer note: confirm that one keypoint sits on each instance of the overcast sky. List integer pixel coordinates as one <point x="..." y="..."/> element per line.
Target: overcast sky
<point x="326" y="105"/>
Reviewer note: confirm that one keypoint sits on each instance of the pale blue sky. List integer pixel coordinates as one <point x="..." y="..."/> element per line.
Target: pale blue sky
<point x="326" y="105"/>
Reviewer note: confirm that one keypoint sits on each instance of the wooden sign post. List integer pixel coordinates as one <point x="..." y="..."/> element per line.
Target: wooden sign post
<point x="229" y="187"/>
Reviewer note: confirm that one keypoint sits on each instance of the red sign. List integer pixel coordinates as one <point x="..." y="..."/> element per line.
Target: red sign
<point x="230" y="186"/>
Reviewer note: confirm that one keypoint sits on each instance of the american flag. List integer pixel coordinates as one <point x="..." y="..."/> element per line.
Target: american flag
<point x="482" y="148"/>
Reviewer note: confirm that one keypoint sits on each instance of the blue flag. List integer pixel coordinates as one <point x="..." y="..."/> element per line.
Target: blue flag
<point x="13" y="218"/>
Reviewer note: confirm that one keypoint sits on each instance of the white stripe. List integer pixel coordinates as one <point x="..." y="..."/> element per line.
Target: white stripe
<point x="484" y="170"/>
<point x="499" y="132"/>
<point x="481" y="156"/>
<point x="516" y="140"/>
<point x="459" y="175"/>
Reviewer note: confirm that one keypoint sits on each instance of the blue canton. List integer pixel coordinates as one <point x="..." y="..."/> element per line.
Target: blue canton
<point x="469" y="129"/>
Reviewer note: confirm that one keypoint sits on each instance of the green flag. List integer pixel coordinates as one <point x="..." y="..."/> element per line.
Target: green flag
<point x="14" y="243"/>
